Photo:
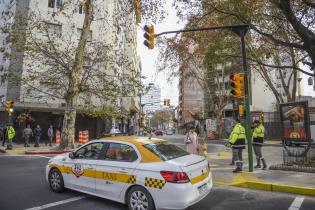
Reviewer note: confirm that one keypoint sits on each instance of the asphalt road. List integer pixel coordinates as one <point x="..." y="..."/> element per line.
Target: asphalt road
<point x="23" y="186"/>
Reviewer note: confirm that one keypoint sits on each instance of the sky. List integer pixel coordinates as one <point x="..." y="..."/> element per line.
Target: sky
<point x="169" y="89"/>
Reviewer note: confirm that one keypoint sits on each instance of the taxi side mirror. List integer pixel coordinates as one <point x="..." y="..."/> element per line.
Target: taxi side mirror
<point x="71" y="155"/>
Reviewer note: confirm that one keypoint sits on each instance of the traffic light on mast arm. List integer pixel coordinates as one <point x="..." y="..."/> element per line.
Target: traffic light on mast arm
<point x="149" y="36"/>
<point x="237" y="84"/>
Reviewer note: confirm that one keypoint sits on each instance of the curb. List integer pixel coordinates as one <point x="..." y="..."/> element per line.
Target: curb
<point x="46" y="153"/>
<point x="276" y="187"/>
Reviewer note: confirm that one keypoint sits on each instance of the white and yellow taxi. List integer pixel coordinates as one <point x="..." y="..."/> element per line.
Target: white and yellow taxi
<point x="143" y="173"/>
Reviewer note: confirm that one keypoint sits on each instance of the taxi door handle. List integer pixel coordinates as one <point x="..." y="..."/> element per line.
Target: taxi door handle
<point x="124" y="171"/>
<point x="89" y="167"/>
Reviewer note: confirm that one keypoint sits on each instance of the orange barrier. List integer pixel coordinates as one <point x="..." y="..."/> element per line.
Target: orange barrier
<point x="85" y="137"/>
<point x="80" y="137"/>
<point x="57" y="137"/>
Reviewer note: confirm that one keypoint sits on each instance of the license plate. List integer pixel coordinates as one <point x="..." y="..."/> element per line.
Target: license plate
<point x="203" y="188"/>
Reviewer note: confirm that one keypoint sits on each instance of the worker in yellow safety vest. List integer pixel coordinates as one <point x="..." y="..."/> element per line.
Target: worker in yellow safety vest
<point x="10" y="135"/>
<point x="237" y="142"/>
<point x="258" y="140"/>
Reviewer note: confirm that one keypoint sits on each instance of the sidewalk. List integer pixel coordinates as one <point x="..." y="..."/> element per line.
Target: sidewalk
<point x="266" y="143"/>
<point x="269" y="180"/>
<point x="19" y="149"/>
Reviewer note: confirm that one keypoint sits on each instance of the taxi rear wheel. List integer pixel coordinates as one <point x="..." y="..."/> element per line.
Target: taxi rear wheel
<point x="56" y="180"/>
<point x="139" y="199"/>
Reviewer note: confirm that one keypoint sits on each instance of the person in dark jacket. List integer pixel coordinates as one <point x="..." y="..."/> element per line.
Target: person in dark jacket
<point x="4" y="135"/>
<point x="37" y="134"/>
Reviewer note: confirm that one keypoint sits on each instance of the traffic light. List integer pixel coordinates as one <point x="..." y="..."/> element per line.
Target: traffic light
<point x="241" y="110"/>
<point x="166" y="102"/>
<point x="9" y="106"/>
<point x="149" y="36"/>
<point x="237" y="84"/>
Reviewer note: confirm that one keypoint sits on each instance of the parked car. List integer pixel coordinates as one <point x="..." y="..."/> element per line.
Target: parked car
<point x="159" y="132"/>
<point x="139" y="172"/>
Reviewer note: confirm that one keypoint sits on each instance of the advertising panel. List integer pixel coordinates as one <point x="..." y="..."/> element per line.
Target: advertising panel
<point x="295" y="121"/>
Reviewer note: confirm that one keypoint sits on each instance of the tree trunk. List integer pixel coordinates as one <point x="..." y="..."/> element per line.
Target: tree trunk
<point x="68" y="129"/>
<point x="73" y="91"/>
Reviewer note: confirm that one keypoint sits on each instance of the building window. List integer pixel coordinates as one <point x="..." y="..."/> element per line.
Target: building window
<point x="89" y="39"/>
<point x="55" y="3"/>
<point x="81" y="8"/>
<point x="51" y="3"/>
<point x="54" y="30"/>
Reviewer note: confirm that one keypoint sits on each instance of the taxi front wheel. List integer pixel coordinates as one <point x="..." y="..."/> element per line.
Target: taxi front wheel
<point x="56" y="180"/>
<point x="139" y="198"/>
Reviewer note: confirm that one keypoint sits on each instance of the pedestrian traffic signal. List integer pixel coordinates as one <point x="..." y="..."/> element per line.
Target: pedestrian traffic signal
<point x="9" y="106"/>
<point x="237" y="84"/>
<point x="149" y="36"/>
<point x="241" y="110"/>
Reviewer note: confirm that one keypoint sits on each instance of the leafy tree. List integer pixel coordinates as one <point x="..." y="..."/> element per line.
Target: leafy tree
<point x="86" y="74"/>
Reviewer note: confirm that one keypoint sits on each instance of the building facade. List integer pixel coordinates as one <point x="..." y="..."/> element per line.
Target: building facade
<point x="64" y="26"/>
<point x="151" y="101"/>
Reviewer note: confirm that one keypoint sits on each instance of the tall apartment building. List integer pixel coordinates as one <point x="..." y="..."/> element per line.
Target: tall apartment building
<point x="119" y="34"/>
<point x="151" y="101"/>
<point x="191" y="99"/>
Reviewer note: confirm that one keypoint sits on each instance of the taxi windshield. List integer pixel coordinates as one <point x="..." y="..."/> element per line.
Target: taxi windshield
<point x="166" y="151"/>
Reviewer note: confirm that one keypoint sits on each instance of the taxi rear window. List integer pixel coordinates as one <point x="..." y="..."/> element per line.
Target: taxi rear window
<point x="166" y="151"/>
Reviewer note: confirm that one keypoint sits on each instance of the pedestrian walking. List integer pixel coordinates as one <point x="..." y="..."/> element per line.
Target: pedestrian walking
<point x="10" y="136"/>
<point x="258" y="140"/>
<point x="4" y="135"/>
<point x="37" y="134"/>
<point x="27" y="133"/>
<point x="192" y="141"/>
<point x="50" y="134"/>
<point x="237" y="141"/>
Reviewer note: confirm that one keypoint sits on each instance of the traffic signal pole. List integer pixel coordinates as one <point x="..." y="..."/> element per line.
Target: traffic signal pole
<point x="246" y="102"/>
<point x="241" y="31"/>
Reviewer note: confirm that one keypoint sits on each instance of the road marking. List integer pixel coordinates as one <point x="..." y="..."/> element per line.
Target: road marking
<point x="297" y="203"/>
<point x="57" y="203"/>
<point x="42" y="156"/>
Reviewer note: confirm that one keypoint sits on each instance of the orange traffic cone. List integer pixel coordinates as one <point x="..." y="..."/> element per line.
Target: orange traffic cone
<point x="85" y="137"/>
<point x="57" y="138"/>
<point x="80" y="137"/>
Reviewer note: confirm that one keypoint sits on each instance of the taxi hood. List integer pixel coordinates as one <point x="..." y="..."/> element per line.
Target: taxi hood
<point x="61" y="156"/>
<point x="186" y="160"/>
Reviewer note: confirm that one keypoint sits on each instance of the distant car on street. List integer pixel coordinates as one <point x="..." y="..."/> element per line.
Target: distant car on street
<point x="114" y="131"/>
<point x="169" y="132"/>
<point x="140" y="172"/>
<point x="159" y="132"/>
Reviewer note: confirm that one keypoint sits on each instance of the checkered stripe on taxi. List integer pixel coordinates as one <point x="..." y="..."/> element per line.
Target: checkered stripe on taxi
<point x="132" y="180"/>
<point x="155" y="183"/>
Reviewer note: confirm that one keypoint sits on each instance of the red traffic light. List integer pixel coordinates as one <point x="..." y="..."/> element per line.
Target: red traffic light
<point x="233" y="77"/>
